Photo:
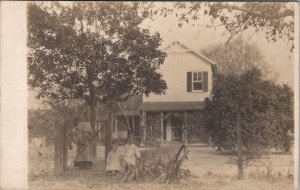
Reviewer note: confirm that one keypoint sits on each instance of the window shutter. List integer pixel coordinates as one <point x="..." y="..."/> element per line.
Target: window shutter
<point x="189" y="82"/>
<point x="205" y="81"/>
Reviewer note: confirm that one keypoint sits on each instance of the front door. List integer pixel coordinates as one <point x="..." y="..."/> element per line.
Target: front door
<point x="176" y="129"/>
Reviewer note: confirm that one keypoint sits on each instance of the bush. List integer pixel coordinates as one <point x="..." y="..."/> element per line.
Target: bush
<point x="160" y="165"/>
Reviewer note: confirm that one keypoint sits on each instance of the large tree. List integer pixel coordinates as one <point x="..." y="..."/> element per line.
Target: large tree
<point x="91" y="51"/>
<point x="274" y="19"/>
<point x="237" y="57"/>
<point x="249" y="113"/>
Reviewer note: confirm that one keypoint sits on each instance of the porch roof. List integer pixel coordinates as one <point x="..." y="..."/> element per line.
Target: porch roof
<point x="171" y="106"/>
<point x="128" y="113"/>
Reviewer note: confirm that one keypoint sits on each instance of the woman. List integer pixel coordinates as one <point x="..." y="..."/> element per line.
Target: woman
<point x="82" y="136"/>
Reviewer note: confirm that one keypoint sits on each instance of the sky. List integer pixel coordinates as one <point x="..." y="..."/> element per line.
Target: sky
<point x="199" y="37"/>
<point x="276" y="54"/>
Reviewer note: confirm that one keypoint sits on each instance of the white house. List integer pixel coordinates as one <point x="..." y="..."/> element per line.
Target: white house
<point x="189" y="77"/>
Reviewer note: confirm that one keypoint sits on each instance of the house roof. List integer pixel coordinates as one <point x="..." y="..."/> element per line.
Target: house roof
<point x="130" y="106"/>
<point x="128" y="113"/>
<point x="171" y="106"/>
<point x="133" y="102"/>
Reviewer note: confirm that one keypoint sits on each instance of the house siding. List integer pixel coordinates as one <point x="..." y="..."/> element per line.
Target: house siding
<point x="174" y="71"/>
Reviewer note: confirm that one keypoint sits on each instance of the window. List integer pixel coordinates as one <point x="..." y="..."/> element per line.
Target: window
<point x="197" y="81"/>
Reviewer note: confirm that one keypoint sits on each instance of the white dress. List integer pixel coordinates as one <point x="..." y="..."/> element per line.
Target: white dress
<point x="131" y="152"/>
<point x="113" y="161"/>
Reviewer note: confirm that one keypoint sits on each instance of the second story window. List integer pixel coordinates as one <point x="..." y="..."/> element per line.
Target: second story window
<point x="197" y="81"/>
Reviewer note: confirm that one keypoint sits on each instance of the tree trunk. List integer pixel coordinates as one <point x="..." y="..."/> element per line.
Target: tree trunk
<point x="239" y="144"/>
<point x="162" y="127"/>
<point x="66" y="146"/>
<point x="185" y="129"/>
<point x="143" y="127"/>
<point x="133" y="126"/>
<point x="108" y="135"/>
<point x="93" y="106"/>
<point x="59" y="144"/>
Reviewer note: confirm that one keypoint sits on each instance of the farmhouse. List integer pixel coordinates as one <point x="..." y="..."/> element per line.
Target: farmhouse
<point x="189" y="77"/>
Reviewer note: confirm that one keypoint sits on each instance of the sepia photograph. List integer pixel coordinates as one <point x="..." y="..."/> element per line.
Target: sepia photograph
<point x="144" y="95"/>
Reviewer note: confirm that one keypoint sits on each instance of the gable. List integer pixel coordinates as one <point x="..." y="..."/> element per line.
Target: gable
<point x="178" y="48"/>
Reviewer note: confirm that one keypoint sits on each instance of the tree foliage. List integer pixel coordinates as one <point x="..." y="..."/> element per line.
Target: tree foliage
<point x="274" y="19"/>
<point x="91" y="51"/>
<point x="196" y="127"/>
<point x="81" y="50"/>
<point x="237" y="57"/>
<point x="266" y="112"/>
<point x="40" y="124"/>
<point x="41" y="121"/>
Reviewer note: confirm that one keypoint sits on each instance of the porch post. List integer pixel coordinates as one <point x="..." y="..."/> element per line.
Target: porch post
<point x="162" y="126"/>
<point x="133" y="125"/>
<point x="115" y="127"/>
<point x="143" y="127"/>
<point x="184" y="131"/>
<point x="169" y="129"/>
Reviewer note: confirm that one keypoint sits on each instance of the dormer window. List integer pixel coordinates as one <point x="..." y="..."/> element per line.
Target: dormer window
<point x="197" y="81"/>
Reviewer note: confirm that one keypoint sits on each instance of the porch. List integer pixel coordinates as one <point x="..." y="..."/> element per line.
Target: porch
<point x="160" y="121"/>
<point x="172" y="117"/>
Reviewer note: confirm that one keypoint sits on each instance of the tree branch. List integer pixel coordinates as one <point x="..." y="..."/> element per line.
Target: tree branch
<point x="127" y="121"/>
<point x="286" y="12"/>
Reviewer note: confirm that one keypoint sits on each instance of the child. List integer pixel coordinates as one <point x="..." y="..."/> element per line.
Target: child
<point x="131" y="154"/>
<point x="113" y="165"/>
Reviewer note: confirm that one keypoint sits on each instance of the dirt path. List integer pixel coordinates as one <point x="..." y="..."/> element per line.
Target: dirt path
<point x="102" y="182"/>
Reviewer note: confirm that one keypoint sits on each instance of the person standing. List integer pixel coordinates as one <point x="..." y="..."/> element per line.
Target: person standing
<point x="82" y="137"/>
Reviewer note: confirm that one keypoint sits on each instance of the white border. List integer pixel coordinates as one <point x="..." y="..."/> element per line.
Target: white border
<point x="13" y="134"/>
<point x="13" y="113"/>
<point x="296" y="98"/>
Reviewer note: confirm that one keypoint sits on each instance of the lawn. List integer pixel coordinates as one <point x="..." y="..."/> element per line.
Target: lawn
<point x="209" y="170"/>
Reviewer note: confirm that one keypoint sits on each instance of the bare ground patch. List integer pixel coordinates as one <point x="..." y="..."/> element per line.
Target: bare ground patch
<point x="210" y="171"/>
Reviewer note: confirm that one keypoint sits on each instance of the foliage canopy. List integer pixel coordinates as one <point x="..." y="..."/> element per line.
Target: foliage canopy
<point x="91" y="51"/>
<point x="266" y="112"/>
